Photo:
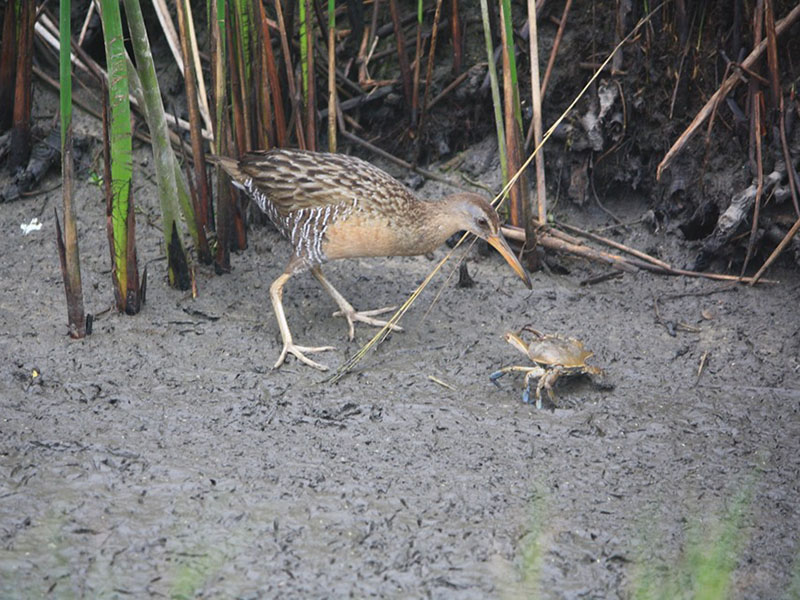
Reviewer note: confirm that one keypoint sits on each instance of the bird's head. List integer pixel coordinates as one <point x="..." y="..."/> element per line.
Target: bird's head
<point x="474" y="214"/>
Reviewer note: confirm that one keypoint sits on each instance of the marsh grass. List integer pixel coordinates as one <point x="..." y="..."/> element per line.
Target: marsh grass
<point x="706" y="568"/>
<point x="521" y="579"/>
<point x="190" y="576"/>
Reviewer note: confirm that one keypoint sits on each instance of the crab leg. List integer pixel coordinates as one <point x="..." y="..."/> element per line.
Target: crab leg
<point x="530" y="371"/>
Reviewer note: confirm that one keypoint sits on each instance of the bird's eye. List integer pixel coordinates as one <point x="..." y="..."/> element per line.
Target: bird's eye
<point x="482" y="222"/>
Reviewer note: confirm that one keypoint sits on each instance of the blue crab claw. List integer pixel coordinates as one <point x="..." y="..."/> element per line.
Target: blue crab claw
<point x="526" y="396"/>
<point x="495" y="376"/>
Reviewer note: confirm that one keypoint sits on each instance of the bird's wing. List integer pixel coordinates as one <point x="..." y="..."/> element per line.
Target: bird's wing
<point x="293" y="180"/>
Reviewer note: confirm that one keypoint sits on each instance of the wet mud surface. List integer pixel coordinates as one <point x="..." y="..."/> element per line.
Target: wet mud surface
<point x="162" y="455"/>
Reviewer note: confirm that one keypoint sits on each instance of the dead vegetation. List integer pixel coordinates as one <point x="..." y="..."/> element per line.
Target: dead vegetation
<point x="691" y="105"/>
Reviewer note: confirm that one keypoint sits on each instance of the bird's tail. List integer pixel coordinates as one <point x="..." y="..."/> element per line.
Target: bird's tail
<point x="229" y="165"/>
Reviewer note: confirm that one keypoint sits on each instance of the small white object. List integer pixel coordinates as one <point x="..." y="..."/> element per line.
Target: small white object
<point x="34" y="225"/>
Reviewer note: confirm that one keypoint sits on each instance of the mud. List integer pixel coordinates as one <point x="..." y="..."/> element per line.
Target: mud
<point x="163" y="456"/>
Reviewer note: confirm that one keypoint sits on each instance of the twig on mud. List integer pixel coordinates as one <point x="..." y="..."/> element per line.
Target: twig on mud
<point x="613" y="244"/>
<point x="557" y="240"/>
<point x="703" y="361"/>
<point x="671" y="326"/>
<point x="444" y="384"/>
<point x="477" y="183"/>
<point x="600" y="278"/>
<point x="615" y="226"/>
<point x="775" y="253"/>
<point x="34" y="193"/>
<point x="721" y="92"/>
<point x="357" y="101"/>
<point x="728" y="287"/>
<point x="549" y="239"/>
<point x="450" y="87"/>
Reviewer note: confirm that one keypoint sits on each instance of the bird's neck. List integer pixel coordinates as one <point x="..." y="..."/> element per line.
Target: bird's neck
<point x="435" y="223"/>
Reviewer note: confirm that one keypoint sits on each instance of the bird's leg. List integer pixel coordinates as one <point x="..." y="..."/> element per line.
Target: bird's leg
<point x="289" y="347"/>
<point x="346" y="309"/>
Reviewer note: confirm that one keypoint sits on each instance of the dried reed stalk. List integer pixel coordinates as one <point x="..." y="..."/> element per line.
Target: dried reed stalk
<point x="536" y="105"/>
<point x="723" y="91"/>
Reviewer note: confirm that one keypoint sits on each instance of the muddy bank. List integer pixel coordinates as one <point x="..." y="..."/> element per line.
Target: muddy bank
<point x="163" y="455"/>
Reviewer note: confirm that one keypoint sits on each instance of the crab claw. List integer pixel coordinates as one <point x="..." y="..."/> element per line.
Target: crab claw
<point x="526" y="395"/>
<point x="495" y="376"/>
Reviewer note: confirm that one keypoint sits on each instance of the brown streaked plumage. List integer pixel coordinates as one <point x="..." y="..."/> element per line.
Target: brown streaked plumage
<point x="332" y="206"/>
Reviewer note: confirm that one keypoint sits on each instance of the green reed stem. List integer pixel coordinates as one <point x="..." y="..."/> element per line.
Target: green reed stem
<point x="495" y="86"/>
<point x="163" y="156"/>
<point x="121" y="147"/>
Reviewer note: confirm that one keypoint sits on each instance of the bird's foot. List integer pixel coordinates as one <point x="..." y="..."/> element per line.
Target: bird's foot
<point x="297" y="352"/>
<point x="365" y="316"/>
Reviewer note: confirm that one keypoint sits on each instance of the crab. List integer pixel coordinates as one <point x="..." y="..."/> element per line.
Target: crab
<point x="553" y="357"/>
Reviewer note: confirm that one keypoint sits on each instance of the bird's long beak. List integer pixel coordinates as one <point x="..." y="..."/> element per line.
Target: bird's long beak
<point x="501" y="245"/>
